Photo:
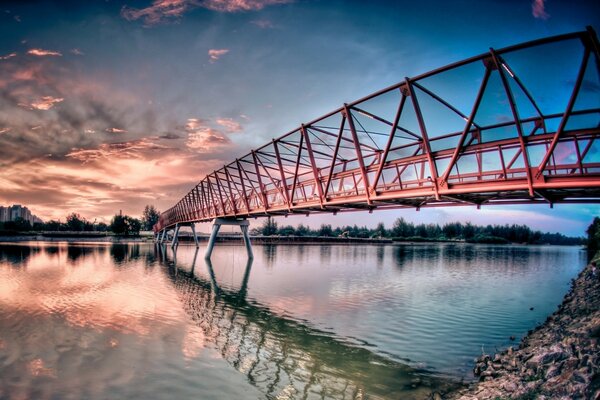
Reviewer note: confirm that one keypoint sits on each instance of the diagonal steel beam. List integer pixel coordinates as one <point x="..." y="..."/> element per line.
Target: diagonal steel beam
<point x="566" y="115"/>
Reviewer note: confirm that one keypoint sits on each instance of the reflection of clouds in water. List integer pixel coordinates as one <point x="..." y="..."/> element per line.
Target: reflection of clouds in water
<point x="90" y="294"/>
<point x="83" y="329"/>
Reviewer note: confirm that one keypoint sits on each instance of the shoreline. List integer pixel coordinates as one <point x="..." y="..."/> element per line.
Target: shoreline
<point x="559" y="359"/>
<point x="88" y="237"/>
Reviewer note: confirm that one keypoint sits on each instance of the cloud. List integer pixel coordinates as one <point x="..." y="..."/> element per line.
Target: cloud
<point x="28" y="83"/>
<point x="240" y="5"/>
<point x="127" y="150"/>
<point x="203" y="137"/>
<point x="46" y="103"/>
<point x="215" y="54"/>
<point x="162" y="11"/>
<point x="170" y="136"/>
<point x="263" y="23"/>
<point x="6" y="57"/>
<point x="115" y="130"/>
<point x="42" y="52"/>
<point x="538" y="9"/>
<point x="77" y="52"/>
<point x="229" y="124"/>
<point x="4" y="130"/>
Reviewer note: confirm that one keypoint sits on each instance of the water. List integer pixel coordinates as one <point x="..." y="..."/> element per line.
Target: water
<point x="104" y="321"/>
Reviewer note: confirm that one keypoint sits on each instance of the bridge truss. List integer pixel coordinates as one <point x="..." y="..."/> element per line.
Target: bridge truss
<point x="510" y="126"/>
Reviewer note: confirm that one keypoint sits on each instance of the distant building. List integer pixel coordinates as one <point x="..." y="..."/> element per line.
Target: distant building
<point x="15" y="211"/>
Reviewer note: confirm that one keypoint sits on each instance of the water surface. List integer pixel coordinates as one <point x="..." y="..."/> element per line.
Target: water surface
<point x="300" y="321"/>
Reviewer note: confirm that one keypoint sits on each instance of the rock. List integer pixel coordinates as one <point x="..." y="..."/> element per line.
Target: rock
<point x="510" y="387"/>
<point x="553" y="371"/>
<point x="436" y="396"/>
<point x="579" y="377"/>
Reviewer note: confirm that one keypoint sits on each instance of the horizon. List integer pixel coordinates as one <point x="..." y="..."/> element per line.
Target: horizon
<point x="112" y="106"/>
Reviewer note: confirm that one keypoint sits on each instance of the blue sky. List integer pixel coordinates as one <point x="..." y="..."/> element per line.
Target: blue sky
<point x="111" y="105"/>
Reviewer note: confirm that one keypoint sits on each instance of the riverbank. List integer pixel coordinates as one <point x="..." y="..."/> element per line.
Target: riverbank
<point x="558" y="360"/>
<point x="87" y="237"/>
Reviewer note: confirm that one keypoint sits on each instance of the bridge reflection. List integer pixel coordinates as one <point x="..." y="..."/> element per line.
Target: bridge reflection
<point x="282" y="357"/>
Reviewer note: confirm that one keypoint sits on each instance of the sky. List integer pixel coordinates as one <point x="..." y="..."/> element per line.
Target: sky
<point x="112" y="105"/>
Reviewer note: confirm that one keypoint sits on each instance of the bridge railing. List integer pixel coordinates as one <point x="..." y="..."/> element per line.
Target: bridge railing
<point x="516" y="124"/>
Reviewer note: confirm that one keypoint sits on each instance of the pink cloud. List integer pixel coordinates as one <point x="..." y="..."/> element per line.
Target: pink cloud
<point x="6" y="57"/>
<point x="46" y="103"/>
<point x="4" y="130"/>
<point x="215" y="54"/>
<point x="240" y="5"/>
<point x="42" y="52"/>
<point x="538" y="9"/>
<point x="158" y="12"/>
<point x="202" y="136"/>
<point x="164" y="10"/>
<point x="126" y="150"/>
<point x="229" y="124"/>
<point x="115" y="130"/>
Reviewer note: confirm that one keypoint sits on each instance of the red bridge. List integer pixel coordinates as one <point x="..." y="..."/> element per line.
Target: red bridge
<point x="510" y="126"/>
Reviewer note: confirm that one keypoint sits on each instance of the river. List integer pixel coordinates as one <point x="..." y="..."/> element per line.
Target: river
<point x="140" y="321"/>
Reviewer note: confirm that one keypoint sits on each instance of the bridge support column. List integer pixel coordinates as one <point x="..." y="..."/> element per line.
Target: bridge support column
<point x="242" y="223"/>
<point x="175" y="240"/>
<point x="162" y="235"/>
<point x="193" y="226"/>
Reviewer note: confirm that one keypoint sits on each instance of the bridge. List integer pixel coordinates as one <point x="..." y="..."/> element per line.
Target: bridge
<point x="517" y="125"/>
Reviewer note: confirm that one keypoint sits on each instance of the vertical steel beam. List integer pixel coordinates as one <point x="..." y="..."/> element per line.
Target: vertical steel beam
<point x="425" y="137"/>
<point x="313" y="164"/>
<point x="244" y="194"/>
<point x="219" y="186"/>
<point x="359" y="156"/>
<point x="335" y="152"/>
<point x="297" y="168"/>
<point x="284" y="187"/>
<point x="388" y="145"/>
<point x="515" y="113"/>
<point x="469" y="124"/>
<point x="231" y="195"/>
<point x="566" y="115"/>
<point x="260" y="182"/>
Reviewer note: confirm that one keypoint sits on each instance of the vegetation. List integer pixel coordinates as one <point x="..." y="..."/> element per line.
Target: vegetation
<point x="74" y="222"/>
<point x="407" y="231"/>
<point x="149" y="217"/>
<point x="125" y="225"/>
<point x="593" y="239"/>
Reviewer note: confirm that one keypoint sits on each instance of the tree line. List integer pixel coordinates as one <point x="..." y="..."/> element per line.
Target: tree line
<point x="408" y="231"/>
<point x="74" y="222"/>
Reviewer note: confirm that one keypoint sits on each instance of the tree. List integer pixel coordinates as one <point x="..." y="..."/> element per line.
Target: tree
<point x="401" y="228"/>
<point x="380" y="230"/>
<point x="302" y="230"/>
<point x="269" y="227"/>
<point x="149" y="217"/>
<point x="325" y="230"/>
<point x="593" y="241"/>
<point x="18" y="224"/>
<point x="75" y="222"/>
<point x="125" y="225"/>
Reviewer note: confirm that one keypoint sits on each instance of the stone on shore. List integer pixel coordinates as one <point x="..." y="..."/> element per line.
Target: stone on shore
<point x="558" y="360"/>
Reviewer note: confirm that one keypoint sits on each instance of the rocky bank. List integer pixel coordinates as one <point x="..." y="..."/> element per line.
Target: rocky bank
<point x="558" y="360"/>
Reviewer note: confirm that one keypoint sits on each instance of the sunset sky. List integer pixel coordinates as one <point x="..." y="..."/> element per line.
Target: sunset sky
<point x="111" y="105"/>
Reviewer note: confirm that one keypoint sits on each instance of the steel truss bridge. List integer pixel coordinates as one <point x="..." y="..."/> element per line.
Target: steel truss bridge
<point x="510" y="126"/>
